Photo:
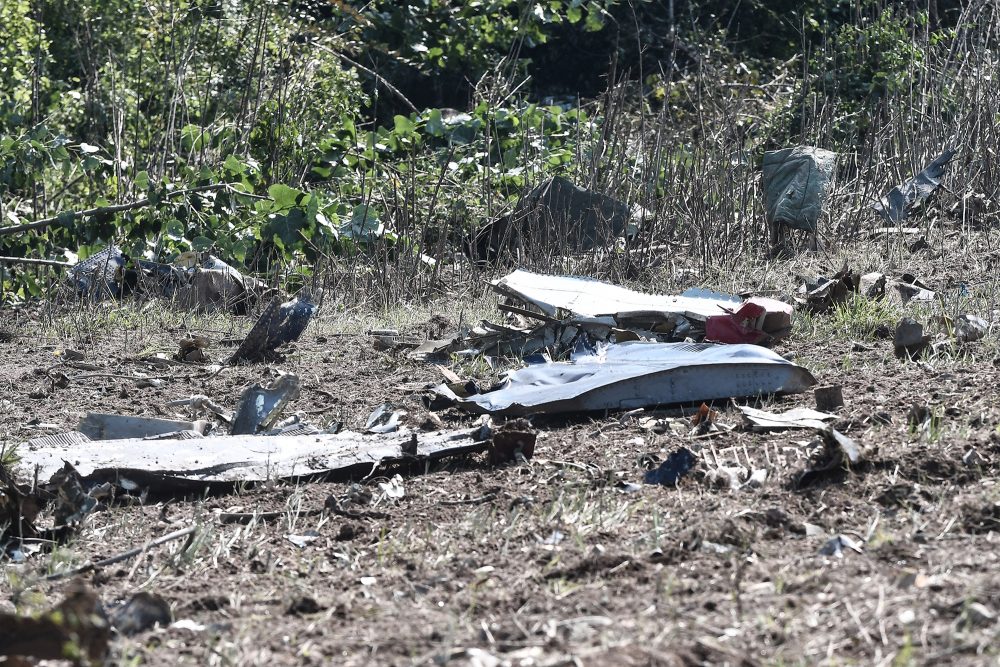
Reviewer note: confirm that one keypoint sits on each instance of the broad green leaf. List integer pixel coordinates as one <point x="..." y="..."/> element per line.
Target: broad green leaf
<point x="284" y="197"/>
<point x="403" y="125"/>
<point x="234" y="166"/>
<point x="348" y="125"/>
<point x="594" y="21"/>
<point x="435" y="126"/>
<point x="202" y="243"/>
<point x="193" y="138"/>
<point x="174" y="229"/>
<point x="238" y="250"/>
<point x="312" y="207"/>
<point x="364" y="225"/>
<point x="31" y="284"/>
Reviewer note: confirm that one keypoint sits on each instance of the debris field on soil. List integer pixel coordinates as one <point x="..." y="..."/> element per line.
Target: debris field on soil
<point x="684" y="391"/>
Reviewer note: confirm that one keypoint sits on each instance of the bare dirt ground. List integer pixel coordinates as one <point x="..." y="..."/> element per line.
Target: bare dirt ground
<point x="557" y="561"/>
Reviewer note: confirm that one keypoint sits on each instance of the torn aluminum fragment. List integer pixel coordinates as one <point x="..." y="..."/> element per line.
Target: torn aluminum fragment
<point x="556" y="217"/>
<point x="303" y="540"/>
<point x="67" y="439"/>
<point x="969" y="327"/>
<point x="99" y="276"/>
<point x="757" y="320"/>
<point x="260" y="406"/>
<point x="637" y="374"/>
<point x="660" y="313"/>
<point x="676" y="466"/>
<point x="835" y="546"/>
<point x="384" y="419"/>
<point x="589" y="297"/>
<point x="207" y="284"/>
<point x="99" y="426"/>
<point x="796" y="418"/>
<point x="188" y="465"/>
<point x="903" y="199"/>
<point x="280" y="323"/>
<point x="393" y="489"/>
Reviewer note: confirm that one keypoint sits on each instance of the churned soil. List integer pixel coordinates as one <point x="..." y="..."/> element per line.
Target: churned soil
<point x="568" y="558"/>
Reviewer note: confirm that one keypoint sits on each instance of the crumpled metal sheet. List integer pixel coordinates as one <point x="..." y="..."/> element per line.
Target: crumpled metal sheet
<point x="207" y="284"/>
<point x="280" y="323"/>
<point x="735" y="320"/>
<point x="637" y="374"/>
<point x="557" y="210"/>
<point x="896" y="206"/>
<point x="101" y="426"/>
<point x="66" y="439"/>
<point x="796" y="183"/>
<point x="186" y="464"/>
<point x="212" y="289"/>
<point x="795" y="418"/>
<point x="589" y="297"/>
<point x="260" y="406"/>
<point x="99" y="276"/>
<point x="197" y="281"/>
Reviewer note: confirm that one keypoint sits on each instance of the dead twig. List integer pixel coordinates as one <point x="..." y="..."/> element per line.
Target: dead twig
<point x="33" y="262"/>
<point x="492" y="494"/>
<point x="378" y="77"/>
<point x="332" y="506"/>
<point x="131" y="553"/>
<point x="246" y="517"/>
<point x="68" y="217"/>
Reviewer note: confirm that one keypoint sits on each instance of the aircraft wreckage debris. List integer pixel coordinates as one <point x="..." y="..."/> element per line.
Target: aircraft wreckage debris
<point x="636" y="374"/>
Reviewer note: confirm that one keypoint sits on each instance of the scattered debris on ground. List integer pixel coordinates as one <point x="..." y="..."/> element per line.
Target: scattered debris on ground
<point x="903" y="199"/>
<point x="796" y="418"/>
<point x="821" y="294"/>
<point x="555" y="315"/>
<point x="194" y="281"/>
<point x="662" y="371"/>
<point x="635" y="374"/>
<point x="194" y="463"/>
